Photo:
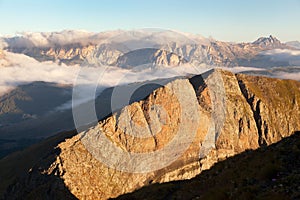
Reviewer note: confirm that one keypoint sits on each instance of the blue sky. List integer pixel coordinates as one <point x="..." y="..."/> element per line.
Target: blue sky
<point x="228" y="20"/>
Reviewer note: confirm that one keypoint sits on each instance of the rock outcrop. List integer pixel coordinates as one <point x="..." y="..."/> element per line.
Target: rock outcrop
<point x="179" y="130"/>
<point x="270" y="172"/>
<point x="152" y="57"/>
<point x="269" y="42"/>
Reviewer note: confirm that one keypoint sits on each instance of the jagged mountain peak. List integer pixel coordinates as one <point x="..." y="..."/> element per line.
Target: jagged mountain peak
<point x="270" y="41"/>
<point x="271" y="38"/>
<point x="149" y="57"/>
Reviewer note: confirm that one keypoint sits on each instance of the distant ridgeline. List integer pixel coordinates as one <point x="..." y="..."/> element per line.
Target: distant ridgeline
<point x="129" y="49"/>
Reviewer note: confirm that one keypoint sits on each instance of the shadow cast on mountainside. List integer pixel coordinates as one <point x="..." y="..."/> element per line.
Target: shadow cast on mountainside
<point x="23" y="174"/>
<point x="271" y="172"/>
<point x="24" y="133"/>
<point x="28" y="180"/>
<point x="32" y="100"/>
<point x="113" y="99"/>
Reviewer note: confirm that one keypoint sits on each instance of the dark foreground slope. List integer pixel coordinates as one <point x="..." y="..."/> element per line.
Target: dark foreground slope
<point x="30" y="113"/>
<point x="271" y="172"/>
<point x="19" y="172"/>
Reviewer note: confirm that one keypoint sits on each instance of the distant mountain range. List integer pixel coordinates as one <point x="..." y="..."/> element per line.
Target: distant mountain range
<point x="129" y="49"/>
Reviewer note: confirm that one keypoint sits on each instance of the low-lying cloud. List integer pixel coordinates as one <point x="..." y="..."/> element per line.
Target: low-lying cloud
<point x="18" y="69"/>
<point x="287" y="75"/>
<point x="284" y="55"/>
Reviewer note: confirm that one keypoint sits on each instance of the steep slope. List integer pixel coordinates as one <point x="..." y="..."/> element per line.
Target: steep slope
<point x="17" y="132"/>
<point x="18" y="165"/>
<point x="152" y="57"/>
<point x="269" y="42"/>
<point x="271" y="172"/>
<point x="179" y="130"/>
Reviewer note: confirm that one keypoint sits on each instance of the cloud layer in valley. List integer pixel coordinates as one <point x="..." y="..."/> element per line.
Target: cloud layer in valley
<point x="17" y="69"/>
<point x="284" y="55"/>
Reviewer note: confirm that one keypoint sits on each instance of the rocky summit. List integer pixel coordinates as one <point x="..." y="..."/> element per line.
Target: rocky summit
<point x="269" y="42"/>
<point x="152" y="57"/>
<point x="181" y="129"/>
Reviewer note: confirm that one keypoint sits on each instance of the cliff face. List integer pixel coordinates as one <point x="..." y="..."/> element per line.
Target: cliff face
<point x="179" y="130"/>
<point x="269" y="42"/>
<point x="270" y="172"/>
<point x="149" y="56"/>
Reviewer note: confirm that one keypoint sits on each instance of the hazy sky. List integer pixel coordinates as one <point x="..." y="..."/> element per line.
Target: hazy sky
<point x="228" y="20"/>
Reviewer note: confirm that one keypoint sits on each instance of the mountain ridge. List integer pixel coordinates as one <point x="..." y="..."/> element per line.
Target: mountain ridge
<point x="105" y="48"/>
<point x="271" y="42"/>
<point x="251" y="120"/>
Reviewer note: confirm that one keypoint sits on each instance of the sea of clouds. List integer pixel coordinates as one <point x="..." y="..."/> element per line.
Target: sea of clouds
<point x="17" y="69"/>
<point x="285" y="55"/>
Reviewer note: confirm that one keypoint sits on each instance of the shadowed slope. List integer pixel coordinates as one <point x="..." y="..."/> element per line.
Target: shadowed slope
<point x="271" y="172"/>
<point x="21" y="174"/>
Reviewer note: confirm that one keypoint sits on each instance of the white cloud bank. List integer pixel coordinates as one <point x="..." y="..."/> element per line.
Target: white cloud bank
<point x="145" y="38"/>
<point x="286" y="75"/>
<point x="284" y="55"/>
<point x="17" y="69"/>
